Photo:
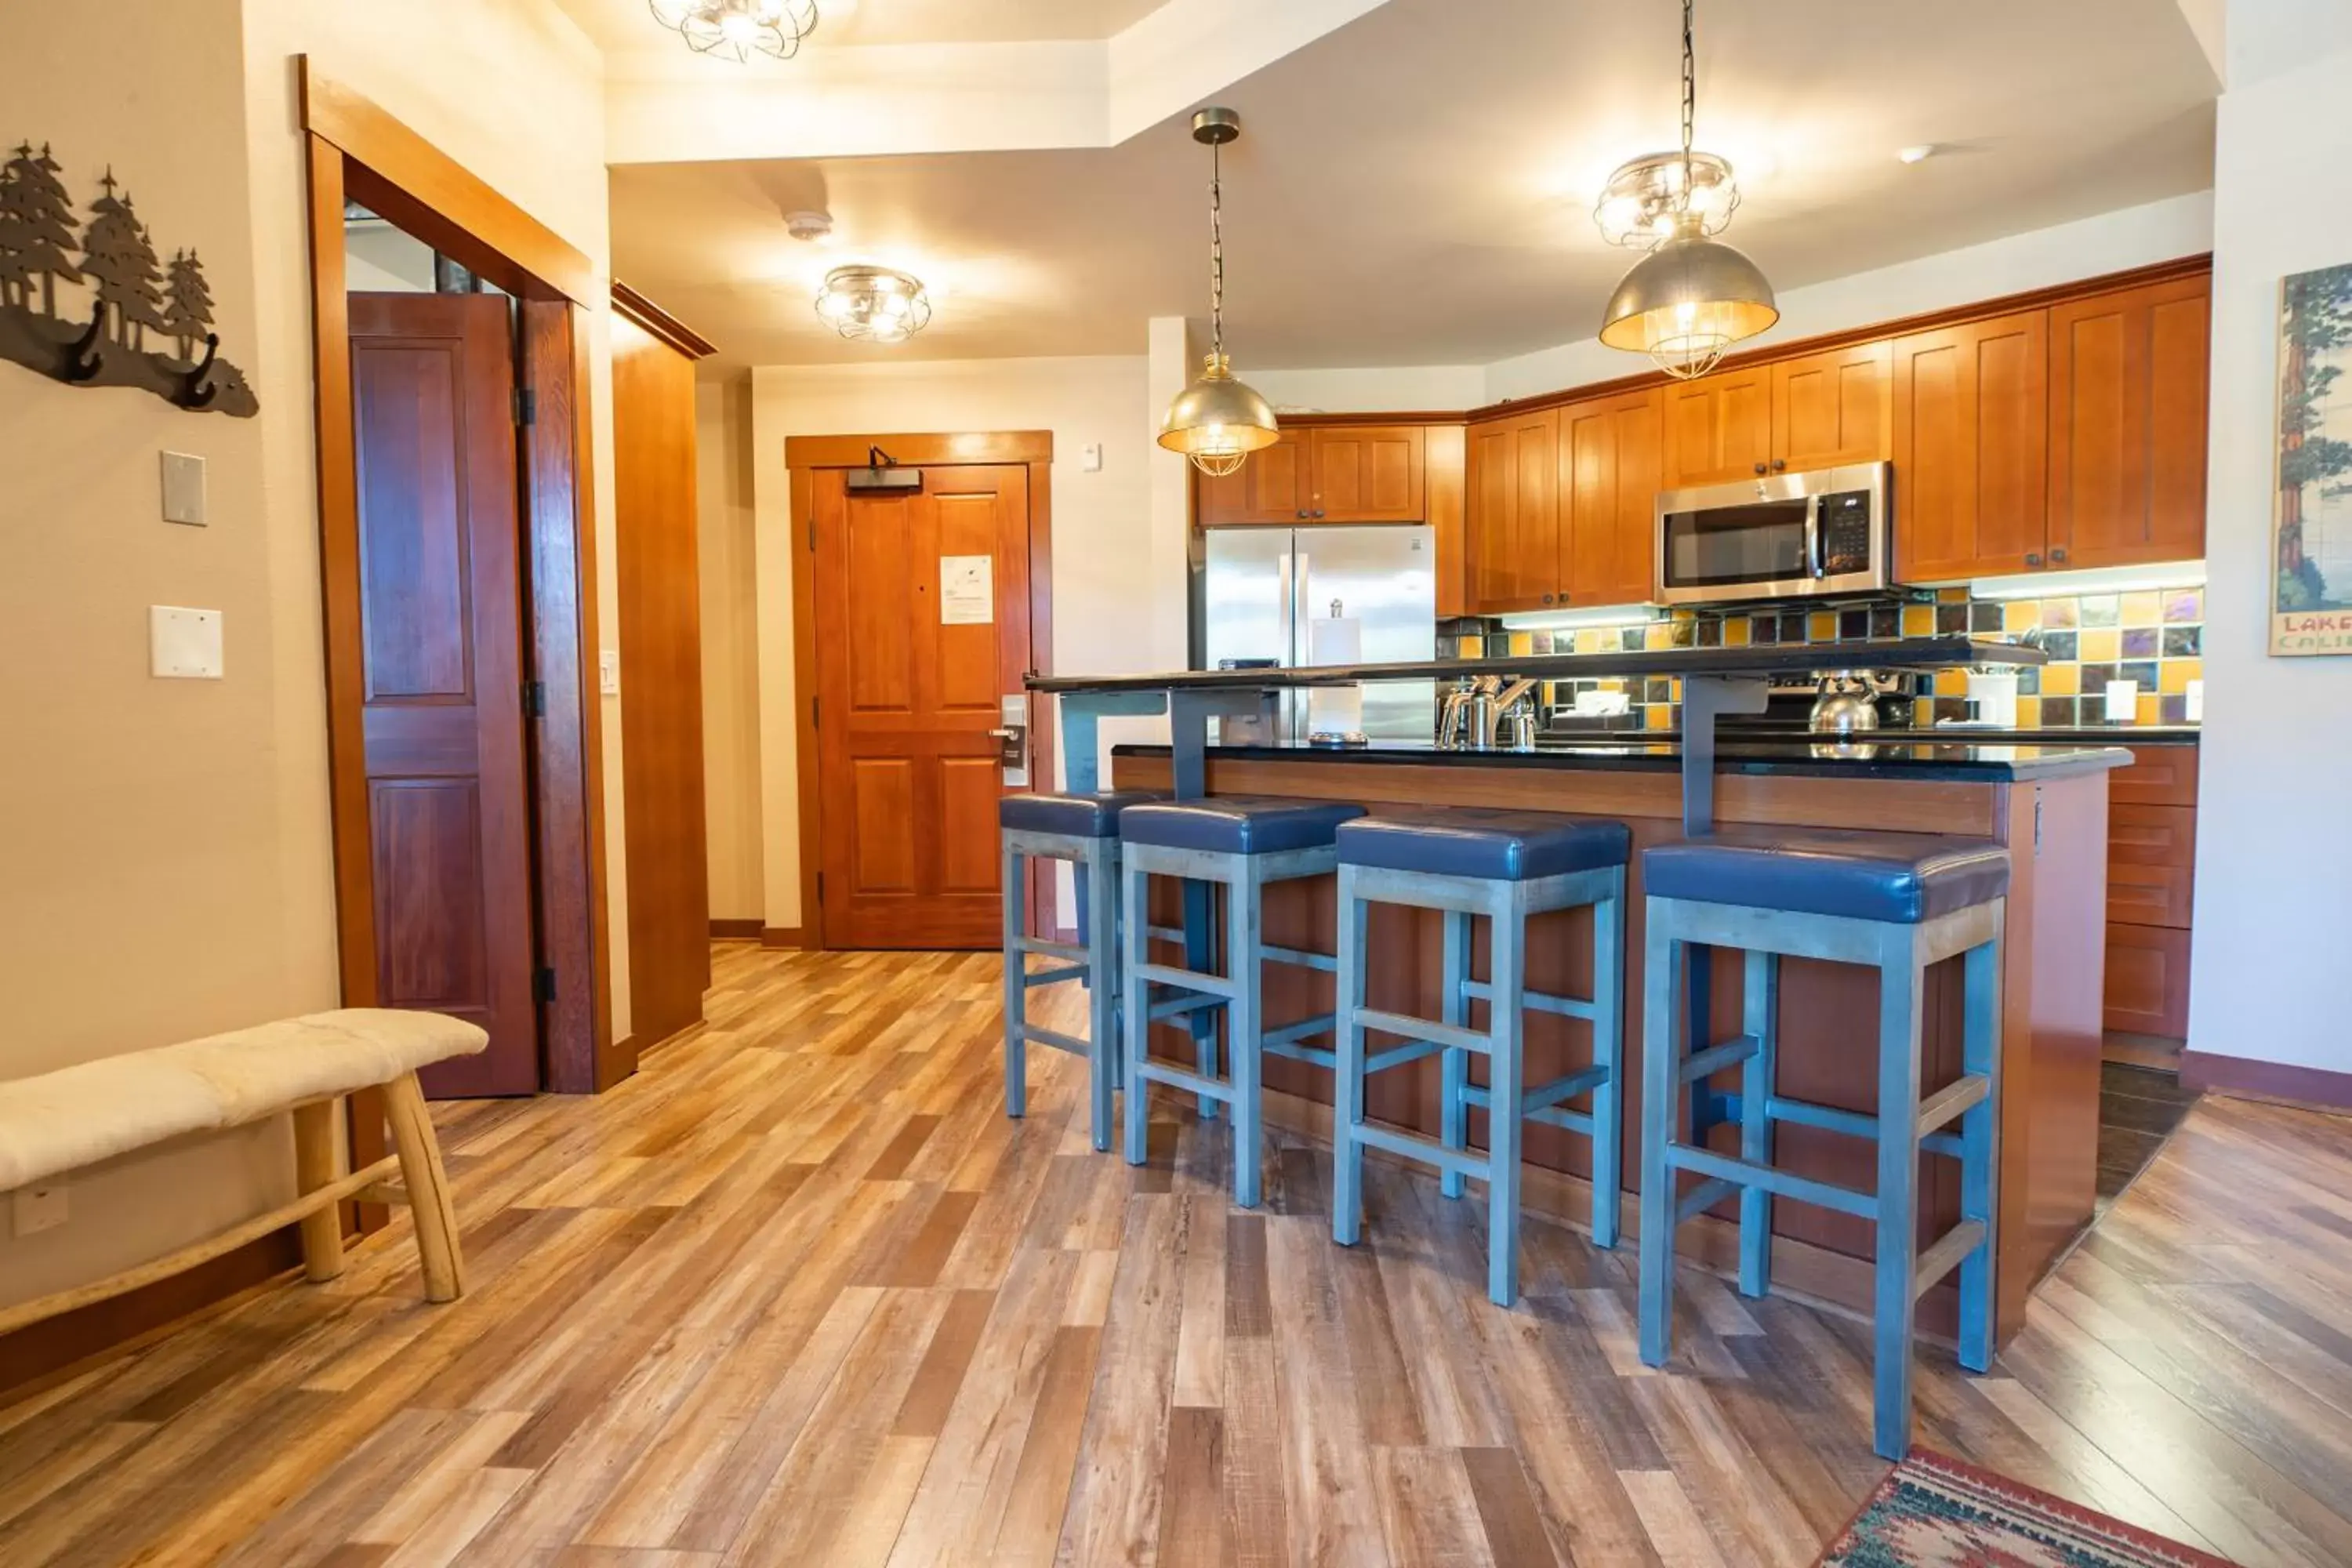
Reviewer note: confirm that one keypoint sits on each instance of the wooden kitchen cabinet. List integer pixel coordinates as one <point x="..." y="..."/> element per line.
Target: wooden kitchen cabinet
<point x="2128" y="401"/>
<point x="1834" y="407"/>
<point x="2147" y="981"/>
<point x="1611" y="452"/>
<point x="1718" y="428"/>
<point x="1512" y="518"/>
<point x="1970" y="446"/>
<point x="1272" y="486"/>
<point x="1366" y="473"/>
<point x="2151" y="872"/>
<point x="1445" y="452"/>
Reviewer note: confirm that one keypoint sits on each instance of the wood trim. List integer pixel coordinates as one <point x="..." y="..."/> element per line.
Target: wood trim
<point x="921" y="451"/>
<point x="1346" y="421"/>
<point x="800" y="936"/>
<point x="2246" y="1078"/>
<point x="1043" y="885"/>
<point x="628" y="302"/>
<point x="616" y="1058"/>
<point x="802" y="545"/>
<point x="735" y="930"/>
<point x="441" y="187"/>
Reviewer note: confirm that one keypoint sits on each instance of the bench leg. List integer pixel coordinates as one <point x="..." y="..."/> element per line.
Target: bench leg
<point x="428" y="1189"/>
<point x="1901" y="989"/>
<point x="314" y="1167"/>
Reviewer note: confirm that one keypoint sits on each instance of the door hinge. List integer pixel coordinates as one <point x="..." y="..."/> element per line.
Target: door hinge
<point x="534" y="700"/>
<point x="526" y="405"/>
<point x="542" y="983"/>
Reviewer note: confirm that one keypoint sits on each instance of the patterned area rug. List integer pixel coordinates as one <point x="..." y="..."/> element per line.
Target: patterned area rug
<point x="1934" y="1512"/>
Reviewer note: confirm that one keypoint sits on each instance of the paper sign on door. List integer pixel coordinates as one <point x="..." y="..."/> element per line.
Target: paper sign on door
<point x="967" y="590"/>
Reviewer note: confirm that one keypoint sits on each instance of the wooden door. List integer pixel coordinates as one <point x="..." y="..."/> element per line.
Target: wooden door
<point x="1611" y="451"/>
<point x="1366" y="473"/>
<point x="1833" y="407"/>
<point x="1972" y="434"/>
<point x="1272" y="486"/>
<point x="1514" y="513"/>
<point x="660" y="592"/>
<point x="909" y="683"/>
<point x="2127" y="381"/>
<point x="1718" y="427"/>
<point x="441" y="614"/>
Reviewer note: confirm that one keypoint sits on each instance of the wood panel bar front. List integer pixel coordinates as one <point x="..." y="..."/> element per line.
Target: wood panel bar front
<point x="2050" y="995"/>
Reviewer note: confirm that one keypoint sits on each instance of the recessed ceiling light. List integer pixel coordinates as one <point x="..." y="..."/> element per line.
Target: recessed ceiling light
<point x="1919" y="154"/>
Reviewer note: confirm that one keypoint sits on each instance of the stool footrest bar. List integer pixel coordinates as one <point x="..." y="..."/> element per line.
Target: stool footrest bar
<point x="1216" y="985"/>
<point x="1038" y="977"/>
<point x="1074" y="951"/>
<point x="1715" y="1059"/>
<point x="1056" y="1039"/>
<point x="1434" y="1033"/>
<point x="1941" y="1107"/>
<point x="1176" y="1005"/>
<point x="1544" y="1096"/>
<point x="1397" y="1055"/>
<point x="1165" y="933"/>
<point x="1703" y="1196"/>
<point x="1944" y="1256"/>
<point x="1536" y="1001"/>
<point x="1301" y="958"/>
<point x="1852" y="1123"/>
<point x="1780" y="1184"/>
<point x="1426" y="1150"/>
<point x="1156" y="1071"/>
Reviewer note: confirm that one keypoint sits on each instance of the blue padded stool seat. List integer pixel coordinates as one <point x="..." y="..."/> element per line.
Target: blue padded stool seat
<point x="1900" y="878"/>
<point x="1488" y="843"/>
<point x="1237" y="824"/>
<point x="1079" y="815"/>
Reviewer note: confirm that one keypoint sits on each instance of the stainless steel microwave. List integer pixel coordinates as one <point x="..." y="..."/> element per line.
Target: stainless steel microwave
<point x="1790" y="535"/>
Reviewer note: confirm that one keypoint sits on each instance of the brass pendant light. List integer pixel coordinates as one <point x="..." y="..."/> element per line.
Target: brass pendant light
<point x="1693" y="296"/>
<point x="1217" y="422"/>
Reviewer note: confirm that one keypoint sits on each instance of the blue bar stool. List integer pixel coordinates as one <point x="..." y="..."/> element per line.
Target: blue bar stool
<point x="1243" y="842"/>
<point x="1506" y="866"/>
<point x="1898" y="903"/>
<point x="1082" y="829"/>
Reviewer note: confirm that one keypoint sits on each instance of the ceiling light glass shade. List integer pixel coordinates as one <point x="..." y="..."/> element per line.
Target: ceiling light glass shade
<point x="873" y="304"/>
<point x="1687" y="301"/>
<point x="737" y="29"/>
<point x="1644" y="199"/>
<point x="1217" y="422"/>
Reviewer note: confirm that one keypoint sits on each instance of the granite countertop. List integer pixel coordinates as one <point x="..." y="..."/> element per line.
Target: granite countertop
<point x="1731" y="730"/>
<point x="1977" y="762"/>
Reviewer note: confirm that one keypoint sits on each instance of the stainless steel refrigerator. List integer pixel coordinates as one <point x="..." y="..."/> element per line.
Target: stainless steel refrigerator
<point x="1258" y="593"/>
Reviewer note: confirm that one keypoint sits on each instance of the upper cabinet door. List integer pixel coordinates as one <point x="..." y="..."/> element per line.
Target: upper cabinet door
<point x="1367" y="473"/>
<point x="1271" y="486"/>
<point x="1718" y="427"/>
<point x="1971" y="432"/>
<point x="2127" y="379"/>
<point x="1611" y="452"/>
<point x="1514" y="513"/>
<point x="1833" y="407"/>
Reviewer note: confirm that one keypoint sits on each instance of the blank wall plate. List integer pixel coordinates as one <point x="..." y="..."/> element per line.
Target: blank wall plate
<point x="183" y="489"/>
<point x="35" y="1209"/>
<point x="183" y="644"/>
<point x="1090" y="457"/>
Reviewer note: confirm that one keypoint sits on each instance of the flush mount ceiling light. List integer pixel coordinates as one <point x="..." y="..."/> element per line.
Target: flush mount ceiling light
<point x="1217" y="422"/>
<point x="873" y="304"/>
<point x="737" y="29"/>
<point x="1693" y="296"/>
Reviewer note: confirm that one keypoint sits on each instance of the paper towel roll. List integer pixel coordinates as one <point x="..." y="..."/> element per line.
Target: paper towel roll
<point x="1336" y="639"/>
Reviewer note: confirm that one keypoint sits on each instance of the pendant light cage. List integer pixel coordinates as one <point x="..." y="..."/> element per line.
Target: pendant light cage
<point x="873" y="304"/>
<point x="1217" y="422"/>
<point x="737" y="29"/>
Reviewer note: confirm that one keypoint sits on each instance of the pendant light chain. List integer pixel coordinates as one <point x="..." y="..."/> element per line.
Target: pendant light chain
<point x="1216" y="250"/>
<point x="1690" y="99"/>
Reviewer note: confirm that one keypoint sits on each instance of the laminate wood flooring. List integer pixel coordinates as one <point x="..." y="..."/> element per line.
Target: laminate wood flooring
<point x="800" y="1293"/>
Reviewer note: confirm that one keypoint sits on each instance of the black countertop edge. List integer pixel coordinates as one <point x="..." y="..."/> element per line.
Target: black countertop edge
<point x="1765" y="658"/>
<point x="1972" y="764"/>
<point x="1731" y="730"/>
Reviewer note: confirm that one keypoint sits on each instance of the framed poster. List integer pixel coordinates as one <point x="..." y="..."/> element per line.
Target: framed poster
<point x="2311" y="533"/>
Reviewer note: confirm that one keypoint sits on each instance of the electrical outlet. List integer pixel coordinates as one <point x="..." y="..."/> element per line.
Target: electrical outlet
<point x="39" y="1209"/>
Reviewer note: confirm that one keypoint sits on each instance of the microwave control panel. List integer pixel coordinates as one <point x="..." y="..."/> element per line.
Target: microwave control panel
<point x="1845" y="533"/>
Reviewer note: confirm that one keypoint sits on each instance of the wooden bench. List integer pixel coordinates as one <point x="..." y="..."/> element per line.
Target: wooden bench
<point x="79" y="1116"/>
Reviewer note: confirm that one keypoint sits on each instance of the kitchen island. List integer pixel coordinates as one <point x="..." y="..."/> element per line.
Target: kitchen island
<point x="2047" y="804"/>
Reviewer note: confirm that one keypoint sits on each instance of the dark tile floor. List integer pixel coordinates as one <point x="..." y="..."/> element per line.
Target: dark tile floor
<point x="2138" y="1109"/>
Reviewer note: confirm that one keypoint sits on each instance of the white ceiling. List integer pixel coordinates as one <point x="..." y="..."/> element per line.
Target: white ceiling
<point x="1414" y="187"/>
<point x="627" y="25"/>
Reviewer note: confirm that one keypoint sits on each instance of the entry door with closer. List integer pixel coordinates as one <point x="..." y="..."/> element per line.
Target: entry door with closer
<point x="922" y="641"/>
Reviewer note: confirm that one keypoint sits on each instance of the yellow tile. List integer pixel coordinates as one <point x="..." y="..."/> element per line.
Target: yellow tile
<point x="2142" y="609"/>
<point x="2061" y="681"/>
<point x="1473" y="647"/>
<point x="1589" y="640"/>
<point x="1735" y="632"/>
<point x="1821" y="626"/>
<point x="1658" y="634"/>
<point x="1685" y="616"/>
<point x="1523" y="643"/>
<point x="1918" y="620"/>
<point x="2021" y="615"/>
<point x="1613" y="686"/>
<point x="1951" y="683"/>
<point x="2145" y="707"/>
<point x="1951" y="595"/>
<point x="1658" y="716"/>
<point x="2174" y="675"/>
<point x="1675" y="690"/>
<point x="2029" y="712"/>
<point x="2100" y="645"/>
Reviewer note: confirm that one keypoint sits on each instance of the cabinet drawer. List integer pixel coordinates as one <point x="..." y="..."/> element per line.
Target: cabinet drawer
<point x="2151" y="856"/>
<point x="2148" y="980"/>
<point x="2148" y="895"/>
<point x="2158" y="775"/>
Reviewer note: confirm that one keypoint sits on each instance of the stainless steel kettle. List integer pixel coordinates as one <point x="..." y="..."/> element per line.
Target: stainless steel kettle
<point x="1848" y="703"/>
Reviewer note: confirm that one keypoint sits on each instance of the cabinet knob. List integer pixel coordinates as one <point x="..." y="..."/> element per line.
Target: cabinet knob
<point x="2058" y="553"/>
<point x="1318" y="512"/>
<point x="1547" y="598"/>
<point x="1302" y="514"/>
<point x="1760" y="467"/>
<point x="1779" y="464"/>
<point x="2034" y="558"/>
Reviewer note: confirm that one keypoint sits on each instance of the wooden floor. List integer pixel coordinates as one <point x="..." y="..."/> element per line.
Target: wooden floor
<point x="801" y="1294"/>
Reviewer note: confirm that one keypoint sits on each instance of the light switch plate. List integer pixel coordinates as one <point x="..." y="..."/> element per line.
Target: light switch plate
<point x="183" y="489"/>
<point x="608" y="671"/>
<point x="1090" y="457"/>
<point x="183" y="644"/>
<point x="38" y="1209"/>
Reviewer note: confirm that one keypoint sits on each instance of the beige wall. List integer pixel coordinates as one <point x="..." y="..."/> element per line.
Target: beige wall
<point x="731" y="647"/>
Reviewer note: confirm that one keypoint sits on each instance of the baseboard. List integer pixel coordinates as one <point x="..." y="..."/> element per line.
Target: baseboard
<point x="1065" y="933"/>
<point x="41" y="1355"/>
<point x="2250" y="1080"/>
<point x="736" y="930"/>
<point x="784" y="936"/>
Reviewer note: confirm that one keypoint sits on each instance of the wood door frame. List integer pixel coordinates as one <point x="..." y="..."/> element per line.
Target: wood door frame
<point x="804" y="457"/>
<point x="357" y="152"/>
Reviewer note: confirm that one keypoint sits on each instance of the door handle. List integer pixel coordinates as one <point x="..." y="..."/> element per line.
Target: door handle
<point x="1012" y="738"/>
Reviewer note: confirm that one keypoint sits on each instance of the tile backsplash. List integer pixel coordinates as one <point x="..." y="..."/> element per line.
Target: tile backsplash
<point x="2152" y="636"/>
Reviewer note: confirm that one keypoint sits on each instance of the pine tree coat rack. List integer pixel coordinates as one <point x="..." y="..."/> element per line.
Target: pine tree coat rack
<point x="79" y="304"/>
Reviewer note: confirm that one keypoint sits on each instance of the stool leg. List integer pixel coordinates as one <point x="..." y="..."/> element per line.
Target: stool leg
<point x="1761" y="1004"/>
<point x="1347" y="1113"/>
<point x="1244" y="1021"/>
<point x="1016" y="989"/>
<point x="1509" y="944"/>
<point x="1902" y="982"/>
<point x="1609" y="1052"/>
<point x="1200" y="947"/>
<point x="1663" y="986"/>
<point x="1104" y="1047"/>
<point x="1134" y="1026"/>
<point x="1454" y="1007"/>
<point x="1980" y="1147"/>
